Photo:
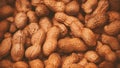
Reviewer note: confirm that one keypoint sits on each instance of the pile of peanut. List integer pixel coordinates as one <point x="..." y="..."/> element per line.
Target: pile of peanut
<point x="59" y="34"/>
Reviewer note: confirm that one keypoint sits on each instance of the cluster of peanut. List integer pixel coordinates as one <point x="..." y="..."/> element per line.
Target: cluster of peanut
<point x="59" y="34"/>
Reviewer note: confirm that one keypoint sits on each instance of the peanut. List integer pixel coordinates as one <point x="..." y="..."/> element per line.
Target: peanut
<point x="75" y="44"/>
<point x="54" y="61"/>
<point x="56" y="6"/>
<point x="112" y="41"/>
<point x="72" y="8"/>
<point x="5" y="63"/>
<point x="36" y="63"/>
<point x="20" y="64"/>
<point x="45" y="23"/>
<point x="21" y="20"/>
<point x="41" y="10"/>
<point x="5" y="46"/>
<point x="17" y="51"/>
<point x="23" y="5"/>
<point x="51" y="40"/>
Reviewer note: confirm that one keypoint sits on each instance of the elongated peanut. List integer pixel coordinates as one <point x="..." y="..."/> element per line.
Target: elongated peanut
<point x="32" y="28"/>
<point x="36" y="63"/>
<point x="105" y="50"/>
<point x="89" y="6"/>
<point x="20" y="64"/>
<point x="21" y="20"/>
<point x="99" y="17"/>
<point x="112" y="41"/>
<point x="17" y="51"/>
<point x="5" y="46"/>
<point x="23" y="5"/>
<point x="54" y="61"/>
<point x="77" y="28"/>
<point x="91" y="56"/>
<point x="63" y="28"/>
<point x="56" y="6"/>
<point x="45" y="23"/>
<point x="5" y="63"/>
<point x="113" y="28"/>
<point x="33" y="51"/>
<point x="72" y="8"/>
<point x="73" y="58"/>
<point x="42" y="10"/>
<point x="37" y="40"/>
<point x="75" y="44"/>
<point x="51" y="40"/>
<point x="32" y="16"/>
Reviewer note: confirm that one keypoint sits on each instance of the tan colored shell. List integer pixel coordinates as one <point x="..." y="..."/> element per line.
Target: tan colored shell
<point x="50" y="43"/>
<point x="41" y="10"/>
<point x="23" y="5"/>
<point x="33" y="51"/>
<point x="45" y="23"/>
<point x="56" y="6"/>
<point x="54" y="61"/>
<point x="113" y="28"/>
<point x="21" y="20"/>
<point x="32" y="16"/>
<point x="17" y="51"/>
<point x="77" y="28"/>
<point x="89" y="6"/>
<point x="32" y="28"/>
<point x="75" y="44"/>
<point x="73" y="58"/>
<point x="38" y="37"/>
<point x="105" y="50"/>
<point x="63" y="28"/>
<point x="20" y="64"/>
<point x="110" y="40"/>
<point x="36" y="63"/>
<point x="5" y="46"/>
<point x="92" y="56"/>
<point x="5" y="63"/>
<point x="72" y="8"/>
